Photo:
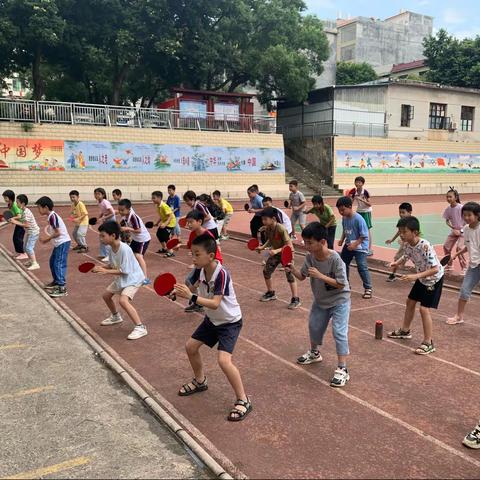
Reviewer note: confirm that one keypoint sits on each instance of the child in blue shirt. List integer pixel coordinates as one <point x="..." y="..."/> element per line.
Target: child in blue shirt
<point x="129" y="278"/>
<point x="173" y="201"/>
<point x="355" y="242"/>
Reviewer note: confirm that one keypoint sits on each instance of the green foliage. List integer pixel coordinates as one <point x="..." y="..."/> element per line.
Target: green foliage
<point x="354" y="73"/>
<point x="452" y="61"/>
<point x="121" y="51"/>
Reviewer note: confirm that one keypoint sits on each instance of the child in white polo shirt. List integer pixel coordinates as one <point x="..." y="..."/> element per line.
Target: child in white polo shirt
<point x="140" y="236"/>
<point x="61" y="241"/>
<point x="222" y="323"/>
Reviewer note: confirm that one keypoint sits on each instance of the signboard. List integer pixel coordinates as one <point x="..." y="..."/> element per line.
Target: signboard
<point x="373" y="161"/>
<point x="32" y="154"/>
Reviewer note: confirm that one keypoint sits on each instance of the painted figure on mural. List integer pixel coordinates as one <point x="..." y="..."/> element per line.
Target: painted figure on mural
<point x="81" y="160"/>
<point x="71" y="161"/>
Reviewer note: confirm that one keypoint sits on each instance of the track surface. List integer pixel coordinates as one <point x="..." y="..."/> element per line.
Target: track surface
<point x="401" y="415"/>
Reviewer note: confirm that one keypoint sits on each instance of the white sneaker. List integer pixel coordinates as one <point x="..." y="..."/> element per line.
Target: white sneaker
<point x="21" y="256"/>
<point x="105" y="259"/>
<point x="33" y="266"/>
<point x="340" y="377"/>
<point x="138" y="332"/>
<point x="112" y="320"/>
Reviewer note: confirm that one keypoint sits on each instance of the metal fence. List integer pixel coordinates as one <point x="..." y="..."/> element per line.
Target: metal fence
<point x="329" y="128"/>
<point x="109" y="115"/>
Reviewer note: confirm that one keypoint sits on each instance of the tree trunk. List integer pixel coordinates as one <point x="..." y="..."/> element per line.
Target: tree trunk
<point x="152" y="98"/>
<point x="117" y="84"/>
<point x="36" y="75"/>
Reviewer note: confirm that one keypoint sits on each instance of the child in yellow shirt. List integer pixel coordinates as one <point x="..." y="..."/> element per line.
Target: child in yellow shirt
<point x="80" y="218"/>
<point x="227" y="209"/>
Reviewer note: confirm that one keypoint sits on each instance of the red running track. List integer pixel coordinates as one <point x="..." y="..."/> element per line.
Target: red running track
<point x="400" y="416"/>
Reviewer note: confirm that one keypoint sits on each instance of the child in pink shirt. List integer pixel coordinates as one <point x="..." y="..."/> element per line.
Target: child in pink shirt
<point x="107" y="214"/>
<point x="454" y="220"/>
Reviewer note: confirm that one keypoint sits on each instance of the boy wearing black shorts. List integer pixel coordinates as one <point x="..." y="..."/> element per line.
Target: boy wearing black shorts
<point x="222" y="323"/>
<point x="132" y="224"/>
<point x="428" y="282"/>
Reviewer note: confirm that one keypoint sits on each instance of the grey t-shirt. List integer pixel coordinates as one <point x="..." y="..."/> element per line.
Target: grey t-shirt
<point x="296" y="198"/>
<point x="325" y="295"/>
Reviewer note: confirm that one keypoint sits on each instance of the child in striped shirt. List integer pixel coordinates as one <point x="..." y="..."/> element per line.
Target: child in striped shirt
<point x="32" y="231"/>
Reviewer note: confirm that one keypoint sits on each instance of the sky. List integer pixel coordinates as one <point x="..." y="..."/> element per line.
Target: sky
<point x="461" y="19"/>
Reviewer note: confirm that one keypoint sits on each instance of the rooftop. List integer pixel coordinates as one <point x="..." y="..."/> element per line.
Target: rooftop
<point x="213" y="93"/>
<point x="402" y="67"/>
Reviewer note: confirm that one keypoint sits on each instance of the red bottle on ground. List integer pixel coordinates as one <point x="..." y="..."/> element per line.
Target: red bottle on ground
<point x="378" y="329"/>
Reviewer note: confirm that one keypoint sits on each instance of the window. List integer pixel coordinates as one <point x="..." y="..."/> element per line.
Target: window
<point x="438" y="116"/>
<point x="466" y="118"/>
<point x="406" y="115"/>
<point x="347" y="53"/>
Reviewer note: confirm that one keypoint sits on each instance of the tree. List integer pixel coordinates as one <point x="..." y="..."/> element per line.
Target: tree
<point x="266" y="44"/>
<point x="452" y="61"/>
<point x="38" y="29"/>
<point x="354" y="73"/>
<point x="121" y="51"/>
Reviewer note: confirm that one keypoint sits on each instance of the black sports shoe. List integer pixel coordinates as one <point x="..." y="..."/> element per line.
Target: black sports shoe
<point x="50" y="286"/>
<point x="194" y="308"/>
<point x="269" y="296"/>
<point x="294" y="303"/>
<point x="58" y="292"/>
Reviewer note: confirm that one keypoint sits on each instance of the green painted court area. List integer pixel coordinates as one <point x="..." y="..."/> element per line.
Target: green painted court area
<point x="433" y="228"/>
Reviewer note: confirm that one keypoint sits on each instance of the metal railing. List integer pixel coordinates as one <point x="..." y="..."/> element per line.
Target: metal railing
<point x="329" y="128"/>
<point x="109" y="115"/>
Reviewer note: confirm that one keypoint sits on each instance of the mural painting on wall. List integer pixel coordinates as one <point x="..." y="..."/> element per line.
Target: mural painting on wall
<point x="356" y="161"/>
<point x="137" y="157"/>
<point x="32" y="154"/>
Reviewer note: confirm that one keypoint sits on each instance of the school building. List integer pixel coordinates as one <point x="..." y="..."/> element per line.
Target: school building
<point x="405" y="137"/>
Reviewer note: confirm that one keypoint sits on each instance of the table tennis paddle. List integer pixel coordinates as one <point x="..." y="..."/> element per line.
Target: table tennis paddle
<point x="86" y="267"/>
<point x="172" y="243"/>
<point x="7" y="215"/>
<point x="149" y="224"/>
<point x="286" y="203"/>
<point x="164" y="285"/>
<point x="182" y="222"/>
<point x="444" y="261"/>
<point x="246" y="207"/>
<point x="71" y="218"/>
<point x="286" y="256"/>
<point x="253" y="243"/>
<point x="92" y="221"/>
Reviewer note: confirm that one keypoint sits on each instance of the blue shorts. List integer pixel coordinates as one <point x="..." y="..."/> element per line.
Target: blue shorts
<point x="139" y="247"/>
<point x="225" y="335"/>
<point x="29" y="242"/>
<point x="472" y="278"/>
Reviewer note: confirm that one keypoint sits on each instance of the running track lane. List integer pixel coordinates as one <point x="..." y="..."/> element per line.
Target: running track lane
<point x="397" y="405"/>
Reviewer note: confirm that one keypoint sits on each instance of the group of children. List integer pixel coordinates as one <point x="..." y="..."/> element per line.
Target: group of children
<point x="209" y="288"/>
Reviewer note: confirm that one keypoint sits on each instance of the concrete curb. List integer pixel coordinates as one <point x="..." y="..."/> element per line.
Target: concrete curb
<point x="123" y="371"/>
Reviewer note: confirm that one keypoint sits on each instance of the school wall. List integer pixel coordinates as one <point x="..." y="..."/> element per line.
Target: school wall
<point x="138" y="186"/>
<point x="391" y="182"/>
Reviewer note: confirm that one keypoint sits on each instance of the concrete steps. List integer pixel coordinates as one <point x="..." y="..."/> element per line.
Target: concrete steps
<point x="308" y="182"/>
